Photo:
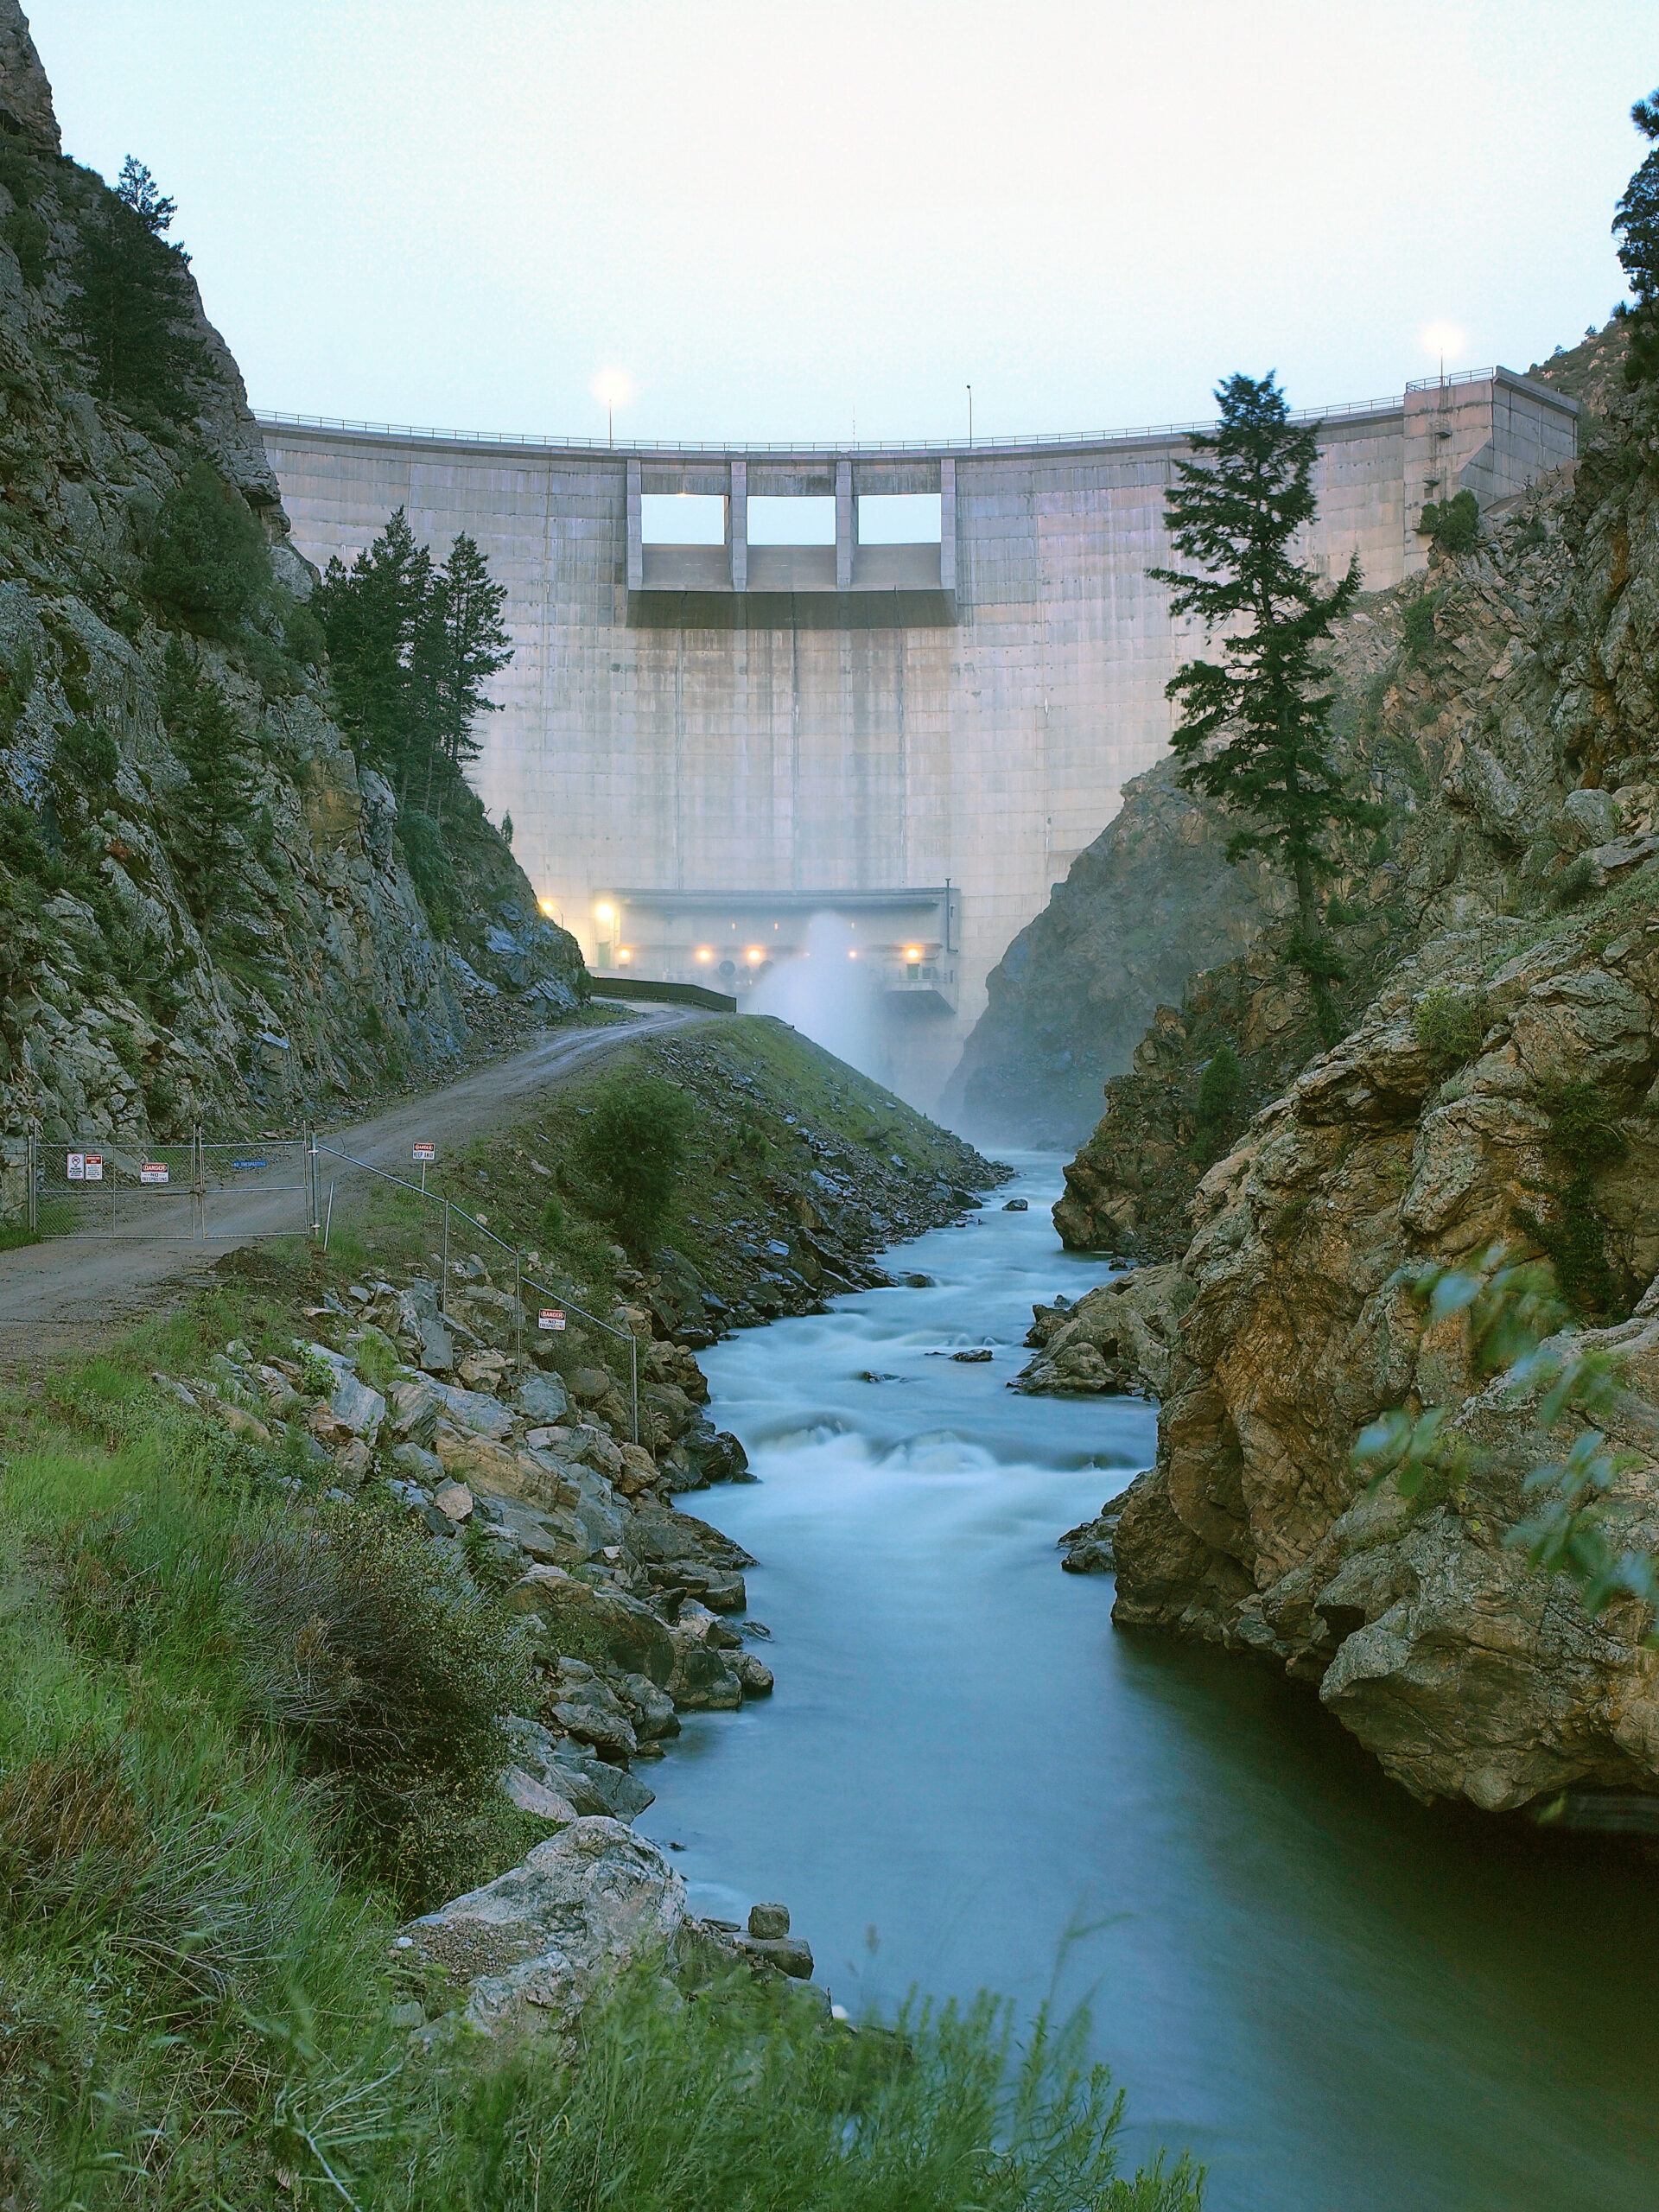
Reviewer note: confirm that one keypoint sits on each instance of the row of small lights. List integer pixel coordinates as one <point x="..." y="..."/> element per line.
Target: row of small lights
<point x="606" y="914"/>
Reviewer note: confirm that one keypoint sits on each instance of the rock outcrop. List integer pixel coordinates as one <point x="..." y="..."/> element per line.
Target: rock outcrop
<point x="131" y="1003"/>
<point x="534" y="1946"/>
<point x="1497" y="1086"/>
<point x="1117" y="1340"/>
<point x="1150" y="900"/>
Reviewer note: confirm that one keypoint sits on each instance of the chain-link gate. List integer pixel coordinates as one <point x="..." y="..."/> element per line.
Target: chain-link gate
<point x="262" y="1189"/>
<point x="170" y="1194"/>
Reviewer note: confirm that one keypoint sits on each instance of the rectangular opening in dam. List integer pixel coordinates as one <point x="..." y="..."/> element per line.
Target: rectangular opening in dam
<point x="807" y="521"/>
<point x="898" y="518"/>
<point x="682" y="519"/>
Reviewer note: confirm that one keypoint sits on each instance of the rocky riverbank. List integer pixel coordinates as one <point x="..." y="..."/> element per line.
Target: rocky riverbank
<point x="520" y="1455"/>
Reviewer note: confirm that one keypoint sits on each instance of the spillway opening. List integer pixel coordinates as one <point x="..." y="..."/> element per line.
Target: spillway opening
<point x="682" y="519"/>
<point x="779" y="521"/>
<point x="900" y="518"/>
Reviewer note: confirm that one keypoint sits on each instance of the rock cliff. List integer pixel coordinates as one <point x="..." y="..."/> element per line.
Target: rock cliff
<point x="131" y="1006"/>
<point x="1496" y="1085"/>
<point x="1150" y="900"/>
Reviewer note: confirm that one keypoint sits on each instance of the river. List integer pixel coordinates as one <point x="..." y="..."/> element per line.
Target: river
<point x="1338" y="2000"/>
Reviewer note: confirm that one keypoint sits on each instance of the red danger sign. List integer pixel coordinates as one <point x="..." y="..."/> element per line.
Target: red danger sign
<point x="425" y="1153"/>
<point x="551" y="1317"/>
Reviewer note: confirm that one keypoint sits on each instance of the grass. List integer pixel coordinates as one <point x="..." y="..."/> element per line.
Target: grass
<point x="219" y="1703"/>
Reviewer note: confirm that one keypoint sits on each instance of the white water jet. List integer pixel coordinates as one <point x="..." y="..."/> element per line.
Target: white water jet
<point x="829" y="991"/>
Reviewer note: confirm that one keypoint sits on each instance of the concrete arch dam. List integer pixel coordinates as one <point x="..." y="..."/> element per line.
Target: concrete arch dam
<point x="703" y="746"/>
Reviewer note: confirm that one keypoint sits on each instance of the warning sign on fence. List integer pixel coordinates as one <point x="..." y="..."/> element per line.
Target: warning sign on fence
<point x="152" y="1171"/>
<point x="551" y="1317"/>
<point x="94" y="1168"/>
<point x="424" y="1155"/>
<point x="76" y="1171"/>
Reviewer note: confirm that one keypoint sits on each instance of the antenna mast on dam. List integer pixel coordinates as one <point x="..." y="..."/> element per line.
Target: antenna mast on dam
<point x="714" y="731"/>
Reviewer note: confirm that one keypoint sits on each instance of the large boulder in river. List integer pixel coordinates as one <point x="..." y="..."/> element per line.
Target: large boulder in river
<point x="1116" y="1340"/>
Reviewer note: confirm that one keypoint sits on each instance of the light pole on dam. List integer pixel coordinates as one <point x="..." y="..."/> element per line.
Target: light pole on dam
<point x="752" y="685"/>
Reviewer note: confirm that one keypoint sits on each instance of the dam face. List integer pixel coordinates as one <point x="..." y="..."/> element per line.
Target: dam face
<point x="703" y="746"/>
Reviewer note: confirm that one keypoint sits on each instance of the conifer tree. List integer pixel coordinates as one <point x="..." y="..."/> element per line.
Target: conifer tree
<point x="218" y="803"/>
<point x="1253" y="733"/>
<point x="470" y="645"/>
<point x="131" y="311"/>
<point x="1636" y="222"/>
<point x="377" y="617"/>
<point x="412" y="648"/>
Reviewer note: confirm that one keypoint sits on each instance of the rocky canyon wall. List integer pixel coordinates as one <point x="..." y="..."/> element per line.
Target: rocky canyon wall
<point x="1497" y="1086"/>
<point x="125" y="1011"/>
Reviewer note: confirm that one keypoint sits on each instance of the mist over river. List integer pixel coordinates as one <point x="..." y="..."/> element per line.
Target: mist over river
<point x="1340" y="2001"/>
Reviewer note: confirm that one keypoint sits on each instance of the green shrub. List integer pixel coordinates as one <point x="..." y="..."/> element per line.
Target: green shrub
<point x="1450" y="1025"/>
<point x="377" y="1359"/>
<point x="634" y="1140"/>
<point x="1454" y="525"/>
<point x="1583" y="1137"/>
<point x="743" y="2098"/>
<point x="427" y="852"/>
<point x="1418" y="624"/>
<point x="1575" y="883"/>
<point x="208" y="563"/>
<point x="1220" y="1106"/>
<point x="552" y="1220"/>
<point x="23" y="848"/>
<point x="24" y="230"/>
<point x="15" y="684"/>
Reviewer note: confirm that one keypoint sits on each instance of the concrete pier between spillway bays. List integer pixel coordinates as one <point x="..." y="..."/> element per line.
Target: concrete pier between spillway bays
<point x="702" y="745"/>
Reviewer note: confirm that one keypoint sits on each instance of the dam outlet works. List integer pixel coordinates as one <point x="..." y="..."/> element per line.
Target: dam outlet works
<point x="897" y="687"/>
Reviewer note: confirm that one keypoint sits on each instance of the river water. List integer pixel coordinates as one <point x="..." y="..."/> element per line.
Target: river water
<point x="1340" y="2001"/>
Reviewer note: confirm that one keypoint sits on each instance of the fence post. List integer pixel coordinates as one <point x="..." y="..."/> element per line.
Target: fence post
<point x="443" y="1277"/>
<point x="34" y="1193"/>
<point x="633" y="1377"/>
<point x="519" y="1305"/>
<point x="199" y="1182"/>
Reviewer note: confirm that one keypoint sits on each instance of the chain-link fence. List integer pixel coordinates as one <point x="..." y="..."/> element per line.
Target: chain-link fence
<point x="174" y="1193"/>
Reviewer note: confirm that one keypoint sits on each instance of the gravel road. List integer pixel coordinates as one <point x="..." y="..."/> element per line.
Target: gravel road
<point x="56" y="1296"/>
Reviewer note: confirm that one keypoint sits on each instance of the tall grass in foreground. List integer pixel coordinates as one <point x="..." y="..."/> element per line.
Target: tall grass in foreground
<point x="198" y="1995"/>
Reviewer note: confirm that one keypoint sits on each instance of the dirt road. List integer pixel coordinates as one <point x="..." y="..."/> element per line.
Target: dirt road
<point x="64" y="1293"/>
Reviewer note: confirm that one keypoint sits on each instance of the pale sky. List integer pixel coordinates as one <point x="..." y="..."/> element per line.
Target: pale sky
<point x="815" y="220"/>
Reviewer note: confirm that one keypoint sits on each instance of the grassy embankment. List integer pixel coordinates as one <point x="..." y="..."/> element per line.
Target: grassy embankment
<point x="772" y="1110"/>
<point x="244" y="1729"/>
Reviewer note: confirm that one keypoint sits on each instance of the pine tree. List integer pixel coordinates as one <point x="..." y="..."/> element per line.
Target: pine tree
<point x="218" y="803"/>
<point x="131" y="312"/>
<point x="1253" y="733"/>
<point x="376" y="616"/>
<point x="412" y="648"/>
<point x="470" y="645"/>
<point x="1635" y="221"/>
